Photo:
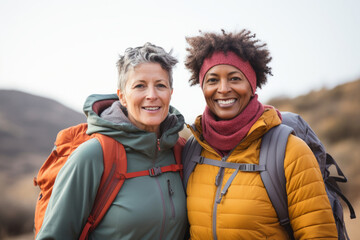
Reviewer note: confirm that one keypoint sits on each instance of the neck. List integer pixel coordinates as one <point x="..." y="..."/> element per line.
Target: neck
<point x="224" y="135"/>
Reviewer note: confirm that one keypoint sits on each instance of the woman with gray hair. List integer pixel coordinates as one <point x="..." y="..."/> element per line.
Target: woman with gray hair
<point x="141" y="119"/>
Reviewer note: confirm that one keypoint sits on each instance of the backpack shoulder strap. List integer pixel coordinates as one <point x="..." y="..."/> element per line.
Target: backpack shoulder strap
<point x="115" y="167"/>
<point x="190" y="156"/>
<point x="272" y="153"/>
<point x="178" y="148"/>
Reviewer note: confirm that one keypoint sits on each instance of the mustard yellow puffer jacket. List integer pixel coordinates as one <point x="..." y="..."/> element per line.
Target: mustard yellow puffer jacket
<point x="245" y="212"/>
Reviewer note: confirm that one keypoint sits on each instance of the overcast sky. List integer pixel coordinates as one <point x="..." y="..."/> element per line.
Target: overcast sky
<point x="67" y="49"/>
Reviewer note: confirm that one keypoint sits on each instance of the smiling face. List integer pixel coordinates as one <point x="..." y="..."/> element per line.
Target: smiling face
<point x="147" y="96"/>
<point x="226" y="90"/>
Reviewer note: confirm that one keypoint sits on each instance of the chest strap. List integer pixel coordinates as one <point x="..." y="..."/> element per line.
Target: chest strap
<point x="155" y="171"/>
<point x="243" y="167"/>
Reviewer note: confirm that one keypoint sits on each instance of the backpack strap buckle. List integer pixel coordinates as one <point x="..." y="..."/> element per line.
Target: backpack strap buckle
<point x="251" y="167"/>
<point x="155" y="171"/>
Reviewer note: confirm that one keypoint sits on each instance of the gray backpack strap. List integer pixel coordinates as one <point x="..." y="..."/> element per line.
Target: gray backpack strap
<point x="190" y="156"/>
<point x="272" y="154"/>
<point x="244" y="167"/>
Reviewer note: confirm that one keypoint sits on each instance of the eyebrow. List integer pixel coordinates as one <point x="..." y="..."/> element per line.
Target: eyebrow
<point x="230" y="73"/>
<point x="213" y="74"/>
<point x="144" y="81"/>
<point x="233" y="72"/>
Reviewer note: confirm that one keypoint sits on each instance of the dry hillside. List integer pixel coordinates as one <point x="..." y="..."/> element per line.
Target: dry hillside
<point x="335" y="117"/>
<point x="28" y="126"/>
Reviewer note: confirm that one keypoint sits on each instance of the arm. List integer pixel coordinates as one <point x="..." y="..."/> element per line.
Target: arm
<point x="73" y="194"/>
<point x="309" y="208"/>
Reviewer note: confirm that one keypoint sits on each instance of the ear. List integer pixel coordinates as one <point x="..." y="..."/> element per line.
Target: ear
<point x="122" y="98"/>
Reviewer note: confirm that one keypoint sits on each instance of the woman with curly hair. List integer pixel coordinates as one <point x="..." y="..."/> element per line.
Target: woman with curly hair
<point x="229" y="67"/>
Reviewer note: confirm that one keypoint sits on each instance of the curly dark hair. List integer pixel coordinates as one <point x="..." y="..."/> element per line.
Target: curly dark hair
<point x="242" y="43"/>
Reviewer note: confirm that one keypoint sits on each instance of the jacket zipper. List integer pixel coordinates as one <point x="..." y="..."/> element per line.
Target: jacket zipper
<point x="157" y="149"/>
<point x="158" y="144"/>
<point x="171" y="193"/>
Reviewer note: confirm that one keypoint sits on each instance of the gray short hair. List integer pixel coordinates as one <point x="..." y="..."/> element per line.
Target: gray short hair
<point x="149" y="53"/>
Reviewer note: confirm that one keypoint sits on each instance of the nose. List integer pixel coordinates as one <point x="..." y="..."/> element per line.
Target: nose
<point x="224" y="86"/>
<point x="151" y="93"/>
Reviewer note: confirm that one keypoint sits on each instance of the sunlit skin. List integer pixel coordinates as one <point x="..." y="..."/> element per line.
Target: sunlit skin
<point x="226" y="90"/>
<point x="147" y="96"/>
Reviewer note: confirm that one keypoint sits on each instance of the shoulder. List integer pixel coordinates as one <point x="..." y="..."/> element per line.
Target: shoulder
<point x="88" y="153"/>
<point x="298" y="150"/>
<point x="301" y="167"/>
<point x="83" y="167"/>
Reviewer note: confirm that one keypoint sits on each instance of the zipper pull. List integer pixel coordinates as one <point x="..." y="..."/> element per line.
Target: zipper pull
<point x="158" y="144"/>
<point x="171" y="192"/>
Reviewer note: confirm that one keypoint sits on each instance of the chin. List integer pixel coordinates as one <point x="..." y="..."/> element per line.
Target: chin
<point x="154" y="123"/>
<point x="226" y="116"/>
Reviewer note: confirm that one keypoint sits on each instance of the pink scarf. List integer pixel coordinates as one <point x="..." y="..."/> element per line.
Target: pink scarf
<point x="224" y="135"/>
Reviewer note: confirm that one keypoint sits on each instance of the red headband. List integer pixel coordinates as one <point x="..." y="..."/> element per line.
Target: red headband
<point x="229" y="58"/>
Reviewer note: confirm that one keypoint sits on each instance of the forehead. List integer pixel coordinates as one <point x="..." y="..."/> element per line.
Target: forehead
<point x="223" y="68"/>
<point x="148" y="67"/>
<point x="148" y="71"/>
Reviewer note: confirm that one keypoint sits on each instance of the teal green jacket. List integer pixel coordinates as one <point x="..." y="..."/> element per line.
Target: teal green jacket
<point x="145" y="208"/>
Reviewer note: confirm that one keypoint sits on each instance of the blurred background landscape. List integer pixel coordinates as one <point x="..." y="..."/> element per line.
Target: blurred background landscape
<point x="53" y="54"/>
<point x="29" y="123"/>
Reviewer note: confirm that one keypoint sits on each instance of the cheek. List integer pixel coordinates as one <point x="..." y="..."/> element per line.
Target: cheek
<point x="128" y="99"/>
<point x="207" y="92"/>
<point x="166" y="97"/>
<point x="244" y="91"/>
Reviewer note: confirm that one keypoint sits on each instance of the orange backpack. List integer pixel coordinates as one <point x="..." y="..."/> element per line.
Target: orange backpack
<point x="114" y="175"/>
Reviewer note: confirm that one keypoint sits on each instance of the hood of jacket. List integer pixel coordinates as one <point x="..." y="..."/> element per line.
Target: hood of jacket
<point x="105" y="115"/>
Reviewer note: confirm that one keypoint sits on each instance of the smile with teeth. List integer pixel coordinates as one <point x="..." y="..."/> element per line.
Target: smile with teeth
<point x="226" y="102"/>
<point x="151" y="108"/>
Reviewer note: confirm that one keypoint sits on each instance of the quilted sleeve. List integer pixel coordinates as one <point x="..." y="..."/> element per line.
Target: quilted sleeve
<point x="310" y="212"/>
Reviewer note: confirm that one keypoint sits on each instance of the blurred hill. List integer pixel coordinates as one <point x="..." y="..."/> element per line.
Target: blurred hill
<point x="28" y="126"/>
<point x="335" y="117"/>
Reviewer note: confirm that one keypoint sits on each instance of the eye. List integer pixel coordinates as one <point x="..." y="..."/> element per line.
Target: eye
<point x="235" y="78"/>
<point x="211" y="80"/>
<point x="140" y="85"/>
<point x="161" y="85"/>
